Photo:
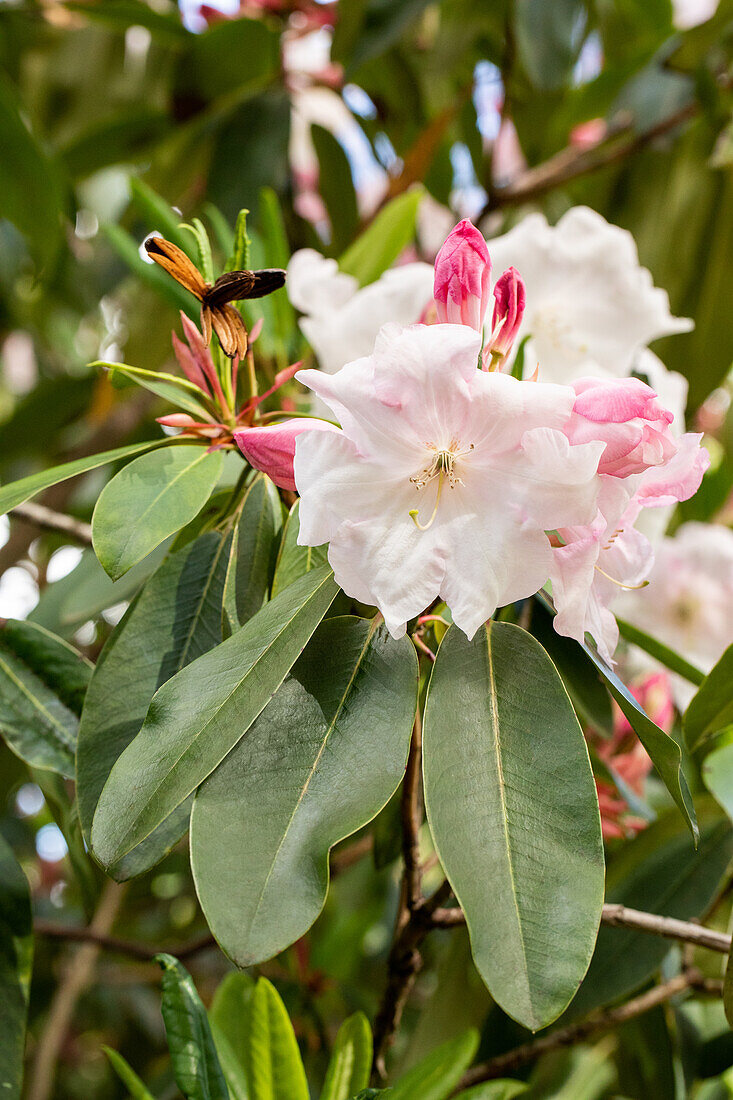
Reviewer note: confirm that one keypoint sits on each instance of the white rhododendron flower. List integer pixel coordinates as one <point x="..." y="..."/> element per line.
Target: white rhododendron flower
<point x="443" y="479"/>
<point x="687" y="604"/>
<point x="588" y="299"/>
<point x="341" y="320"/>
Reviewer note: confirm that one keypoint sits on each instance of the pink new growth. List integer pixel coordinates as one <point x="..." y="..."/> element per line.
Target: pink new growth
<point x="462" y="277"/>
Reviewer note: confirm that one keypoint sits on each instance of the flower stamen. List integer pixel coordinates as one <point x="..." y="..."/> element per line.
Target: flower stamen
<point x="442" y="466"/>
<point x="628" y="587"/>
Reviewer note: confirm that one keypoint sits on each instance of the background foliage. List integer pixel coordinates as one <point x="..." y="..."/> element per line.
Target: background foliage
<point x="314" y="116"/>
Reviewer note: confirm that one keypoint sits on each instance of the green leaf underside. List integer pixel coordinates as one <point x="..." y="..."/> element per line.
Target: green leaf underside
<point x="250" y="558"/>
<point x="19" y="491"/>
<point x="337" y="735"/>
<point x="293" y="560"/>
<point x="276" y="1068"/>
<point x="148" y="500"/>
<point x="42" y="686"/>
<point x="435" y="1077"/>
<point x="658" y="872"/>
<point x="664" y="751"/>
<point x="193" y="1054"/>
<point x="16" y="956"/>
<point x="512" y="806"/>
<point x="177" y="391"/>
<point x="198" y="716"/>
<point x="711" y="709"/>
<point x="351" y="1060"/>
<point x="173" y="620"/>
<point x="229" y="1017"/>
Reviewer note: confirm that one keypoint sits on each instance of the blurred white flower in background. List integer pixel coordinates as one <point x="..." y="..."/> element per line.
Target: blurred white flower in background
<point x="590" y="305"/>
<point x="689" y="600"/>
<point x="341" y="320"/>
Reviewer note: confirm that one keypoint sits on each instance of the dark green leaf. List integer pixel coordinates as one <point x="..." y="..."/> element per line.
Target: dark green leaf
<point x="379" y="245"/>
<point x="717" y="774"/>
<point x="658" y="872"/>
<point x="581" y="678"/>
<point x="276" y="1067"/>
<point x="336" y="187"/>
<point x="435" y="1077"/>
<point x="549" y="38"/>
<point x="238" y="53"/>
<point x="512" y="806"/>
<point x="259" y="849"/>
<point x="234" y="1073"/>
<point x="123" y="138"/>
<point x="663" y="749"/>
<point x="295" y="561"/>
<point x="351" y="1059"/>
<point x="711" y="709"/>
<point x="20" y="491"/>
<point x="148" y="500"/>
<point x="30" y="196"/>
<point x="198" y="717"/>
<point x="42" y="686"/>
<point x="728" y="990"/>
<point x="195" y="1064"/>
<point x="175" y="619"/>
<point x="251" y="554"/>
<point x="378" y="26"/>
<point x="16" y="959"/>
<point x="494" y="1090"/>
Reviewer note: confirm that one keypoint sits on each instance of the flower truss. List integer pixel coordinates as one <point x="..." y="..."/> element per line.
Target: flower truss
<point x="450" y="482"/>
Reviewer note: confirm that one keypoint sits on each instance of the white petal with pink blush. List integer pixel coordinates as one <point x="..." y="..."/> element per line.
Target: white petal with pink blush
<point x="443" y="479"/>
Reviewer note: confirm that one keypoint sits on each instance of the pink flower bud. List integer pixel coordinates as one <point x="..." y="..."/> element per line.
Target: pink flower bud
<point x="462" y="277"/>
<point x="271" y="448"/>
<point x="510" y="297"/>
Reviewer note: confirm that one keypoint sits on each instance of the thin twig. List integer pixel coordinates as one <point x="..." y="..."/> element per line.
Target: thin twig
<point x="586" y="1029"/>
<point x="619" y="916"/>
<point x="73" y="983"/>
<point x="41" y="516"/>
<point x="572" y="163"/>
<point x="94" y="935"/>
<point x="412" y="819"/>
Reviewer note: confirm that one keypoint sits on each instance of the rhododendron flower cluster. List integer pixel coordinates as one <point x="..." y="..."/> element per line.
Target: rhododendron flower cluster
<point x="445" y="481"/>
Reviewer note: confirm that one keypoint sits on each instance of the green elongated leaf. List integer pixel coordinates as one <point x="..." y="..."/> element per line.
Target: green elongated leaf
<point x="193" y="1054"/>
<point x="379" y="245"/>
<point x="295" y="561"/>
<point x="435" y="1077"/>
<point x="136" y="1088"/>
<point x="30" y="194"/>
<point x="336" y="186"/>
<point x="229" y="1016"/>
<point x="351" y="1059"/>
<point x="174" y="619"/>
<point x="179" y="391"/>
<point x="276" y="1067"/>
<point x="123" y="138"/>
<point x="198" y="716"/>
<point x="501" y="1089"/>
<point x="19" y="491"/>
<point x="711" y="709"/>
<point x="277" y="252"/>
<point x="148" y="500"/>
<point x="42" y="686"/>
<point x="158" y="214"/>
<point x="349" y="700"/>
<point x="585" y="687"/>
<point x="663" y="749"/>
<point x="233" y="1070"/>
<point x="717" y="774"/>
<point x="512" y="806"/>
<point x="660" y="652"/>
<point x="250" y="558"/>
<point x="16" y="960"/>
<point x="239" y="257"/>
<point x="549" y="38"/>
<point x="659" y="872"/>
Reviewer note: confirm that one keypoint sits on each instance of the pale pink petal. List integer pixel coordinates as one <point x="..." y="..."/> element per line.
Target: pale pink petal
<point x="271" y="448"/>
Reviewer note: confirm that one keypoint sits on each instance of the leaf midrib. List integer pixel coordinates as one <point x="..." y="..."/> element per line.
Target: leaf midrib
<point x="304" y="790"/>
<point x="36" y="702"/>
